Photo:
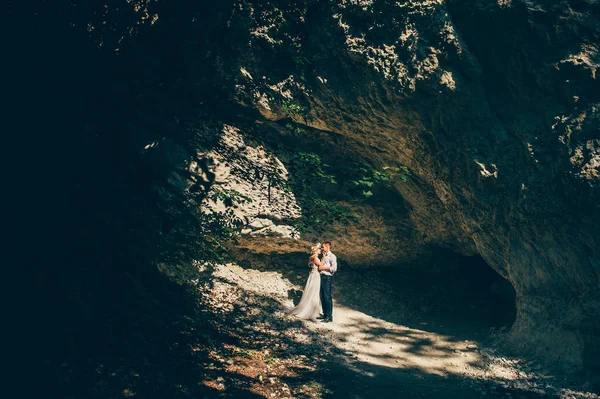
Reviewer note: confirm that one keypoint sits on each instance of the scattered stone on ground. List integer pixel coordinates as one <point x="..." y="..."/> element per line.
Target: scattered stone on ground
<point x="356" y="354"/>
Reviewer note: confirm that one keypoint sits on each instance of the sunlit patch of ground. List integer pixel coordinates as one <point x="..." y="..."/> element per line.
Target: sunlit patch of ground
<point x="386" y="344"/>
<point x="380" y="352"/>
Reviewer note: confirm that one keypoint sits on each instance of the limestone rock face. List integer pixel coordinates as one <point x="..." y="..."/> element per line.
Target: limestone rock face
<point x="241" y="182"/>
<point x="494" y="108"/>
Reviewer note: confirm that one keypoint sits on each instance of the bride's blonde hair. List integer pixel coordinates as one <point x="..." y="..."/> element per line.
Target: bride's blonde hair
<point x="315" y="248"/>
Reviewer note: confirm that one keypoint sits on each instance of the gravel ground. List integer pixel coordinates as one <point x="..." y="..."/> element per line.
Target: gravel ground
<point x="358" y="355"/>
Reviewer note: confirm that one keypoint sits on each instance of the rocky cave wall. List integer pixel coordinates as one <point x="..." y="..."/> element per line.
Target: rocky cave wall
<point x="492" y="107"/>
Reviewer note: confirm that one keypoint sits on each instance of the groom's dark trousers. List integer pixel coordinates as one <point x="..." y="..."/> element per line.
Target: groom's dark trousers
<point x="326" y="298"/>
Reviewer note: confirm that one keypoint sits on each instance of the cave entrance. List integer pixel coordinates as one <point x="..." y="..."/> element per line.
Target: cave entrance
<point x="459" y="290"/>
<point x="486" y="295"/>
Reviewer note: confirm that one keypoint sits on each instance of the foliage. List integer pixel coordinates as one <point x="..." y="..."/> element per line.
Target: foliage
<point x="228" y="197"/>
<point x="367" y="179"/>
<point x="271" y="171"/>
<point x="294" y="127"/>
<point x="320" y="211"/>
<point x="300" y="61"/>
<point x="310" y="176"/>
<point x="310" y="166"/>
<point x="217" y="228"/>
<point x="294" y="109"/>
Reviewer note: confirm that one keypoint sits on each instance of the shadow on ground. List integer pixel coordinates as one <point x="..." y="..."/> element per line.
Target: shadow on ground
<point x="449" y="306"/>
<point x="259" y="321"/>
<point x="198" y="344"/>
<point x="457" y="295"/>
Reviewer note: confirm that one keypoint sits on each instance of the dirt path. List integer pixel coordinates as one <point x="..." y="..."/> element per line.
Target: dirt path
<point x="358" y="355"/>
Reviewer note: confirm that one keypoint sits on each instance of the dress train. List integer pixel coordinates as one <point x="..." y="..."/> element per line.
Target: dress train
<point x="309" y="306"/>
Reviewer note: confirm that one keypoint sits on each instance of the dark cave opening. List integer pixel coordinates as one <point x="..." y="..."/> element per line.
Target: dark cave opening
<point x="451" y="289"/>
<point x="468" y="290"/>
<point x="491" y="297"/>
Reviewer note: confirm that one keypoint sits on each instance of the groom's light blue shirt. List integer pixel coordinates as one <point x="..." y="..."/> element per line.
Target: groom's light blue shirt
<point x="331" y="261"/>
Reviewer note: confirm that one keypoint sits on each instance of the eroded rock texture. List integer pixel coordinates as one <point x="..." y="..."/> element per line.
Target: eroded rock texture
<point x="493" y="106"/>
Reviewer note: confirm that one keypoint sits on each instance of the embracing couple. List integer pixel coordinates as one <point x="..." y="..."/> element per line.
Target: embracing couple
<point x="317" y="292"/>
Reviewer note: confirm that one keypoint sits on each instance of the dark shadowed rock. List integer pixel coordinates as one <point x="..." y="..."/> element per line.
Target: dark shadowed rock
<point x="492" y="108"/>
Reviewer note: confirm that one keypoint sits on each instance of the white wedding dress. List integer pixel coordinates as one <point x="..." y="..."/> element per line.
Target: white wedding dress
<point x="309" y="306"/>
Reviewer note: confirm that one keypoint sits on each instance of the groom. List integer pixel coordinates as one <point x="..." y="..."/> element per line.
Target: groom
<point x="327" y="270"/>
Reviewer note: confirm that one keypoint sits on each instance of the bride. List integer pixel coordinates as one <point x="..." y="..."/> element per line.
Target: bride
<point x="309" y="306"/>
